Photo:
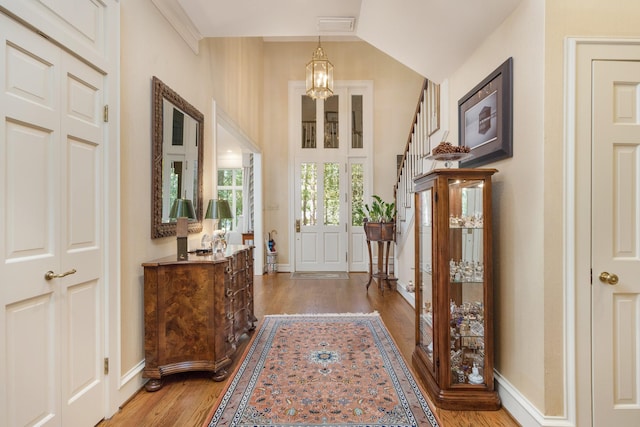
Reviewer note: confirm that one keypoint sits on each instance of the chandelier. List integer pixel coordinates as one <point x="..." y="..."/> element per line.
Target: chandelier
<point x="319" y="75"/>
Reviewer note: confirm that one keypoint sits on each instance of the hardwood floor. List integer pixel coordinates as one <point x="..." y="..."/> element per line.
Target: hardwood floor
<point x="186" y="399"/>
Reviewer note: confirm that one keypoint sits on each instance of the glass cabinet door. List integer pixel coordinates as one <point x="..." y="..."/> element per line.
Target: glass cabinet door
<point x="425" y="277"/>
<point x="454" y="288"/>
<point x="466" y="281"/>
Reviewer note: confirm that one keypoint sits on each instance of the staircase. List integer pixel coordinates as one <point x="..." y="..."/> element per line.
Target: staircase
<point x="424" y="128"/>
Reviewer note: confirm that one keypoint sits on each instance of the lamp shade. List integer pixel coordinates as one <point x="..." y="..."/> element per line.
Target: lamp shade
<point x="182" y="208"/>
<point x="218" y="209"/>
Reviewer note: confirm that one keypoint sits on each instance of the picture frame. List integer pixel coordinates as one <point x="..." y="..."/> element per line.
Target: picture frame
<point x="485" y="118"/>
<point x="433" y="107"/>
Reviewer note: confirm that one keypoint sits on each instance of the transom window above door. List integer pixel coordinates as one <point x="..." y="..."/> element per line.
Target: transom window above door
<point x="330" y="121"/>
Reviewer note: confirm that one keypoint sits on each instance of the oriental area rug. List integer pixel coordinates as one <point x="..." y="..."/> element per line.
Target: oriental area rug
<point x="322" y="370"/>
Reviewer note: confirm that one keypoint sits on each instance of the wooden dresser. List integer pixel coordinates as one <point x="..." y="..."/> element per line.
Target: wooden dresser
<point x="195" y="311"/>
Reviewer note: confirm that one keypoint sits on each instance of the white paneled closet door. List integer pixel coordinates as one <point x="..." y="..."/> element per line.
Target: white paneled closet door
<point x="616" y="243"/>
<point x="51" y="228"/>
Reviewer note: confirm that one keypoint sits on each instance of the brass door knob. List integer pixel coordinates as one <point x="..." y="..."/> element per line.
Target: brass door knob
<point x="609" y="278"/>
<point x="51" y="275"/>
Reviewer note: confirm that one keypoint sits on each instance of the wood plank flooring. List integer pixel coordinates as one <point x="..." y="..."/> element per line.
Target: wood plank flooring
<point x="186" y="399"/>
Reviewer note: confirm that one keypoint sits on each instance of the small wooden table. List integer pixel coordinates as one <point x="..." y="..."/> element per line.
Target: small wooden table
<point x="381" y="233"/>
<point x="246" y="237"/>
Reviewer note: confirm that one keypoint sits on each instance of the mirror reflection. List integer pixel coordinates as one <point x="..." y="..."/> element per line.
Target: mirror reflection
<point x="177" y="159"/>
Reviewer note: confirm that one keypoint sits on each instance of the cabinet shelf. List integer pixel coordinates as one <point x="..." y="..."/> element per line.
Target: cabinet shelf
<point x="454" y="304"/>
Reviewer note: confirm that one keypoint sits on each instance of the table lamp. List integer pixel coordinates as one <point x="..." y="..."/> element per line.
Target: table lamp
<point x="182" y="211"/>
<point x="218" y="209"/>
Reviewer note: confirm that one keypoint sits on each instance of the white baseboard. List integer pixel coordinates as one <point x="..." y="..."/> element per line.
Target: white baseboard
<point x="523" y="411"/>
<point x="284" y="268"/>
<point x="133" y="375"/>
<point x="129" y="384"/>
<point x="409" y="296"/>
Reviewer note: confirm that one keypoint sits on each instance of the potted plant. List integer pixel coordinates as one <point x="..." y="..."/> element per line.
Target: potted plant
<point x="379" y="219"/>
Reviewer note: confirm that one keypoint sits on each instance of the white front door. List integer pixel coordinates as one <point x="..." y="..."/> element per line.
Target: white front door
<point x="320" y="223"/>
<point x="51" y="248"/>
<point x="331" y="142"/>
<point x="616" y="243"/>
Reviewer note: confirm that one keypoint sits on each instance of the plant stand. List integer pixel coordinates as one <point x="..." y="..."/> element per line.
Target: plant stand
<point x="381" y="233"/>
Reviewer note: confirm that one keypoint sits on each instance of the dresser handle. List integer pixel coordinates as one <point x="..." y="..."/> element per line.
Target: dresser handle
<point x="229" y="293"/>
<point x="230" y="316"/>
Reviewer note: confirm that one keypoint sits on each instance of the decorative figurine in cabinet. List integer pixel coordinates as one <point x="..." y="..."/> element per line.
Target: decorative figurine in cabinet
<point x="454" y="301"/>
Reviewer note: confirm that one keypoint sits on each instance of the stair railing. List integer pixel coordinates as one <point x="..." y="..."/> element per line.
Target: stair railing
<point x="411" y="164"/>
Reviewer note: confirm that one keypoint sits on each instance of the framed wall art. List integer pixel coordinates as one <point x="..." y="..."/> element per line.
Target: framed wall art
<point x="485" y="118"/>
<point x="433" y="107"/>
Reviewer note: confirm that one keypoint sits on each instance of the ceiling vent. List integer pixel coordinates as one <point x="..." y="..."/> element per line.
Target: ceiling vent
<point x="337" y="24"/>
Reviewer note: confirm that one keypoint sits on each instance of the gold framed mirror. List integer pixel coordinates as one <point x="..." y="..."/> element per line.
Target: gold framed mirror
<point x="177" y="153"/>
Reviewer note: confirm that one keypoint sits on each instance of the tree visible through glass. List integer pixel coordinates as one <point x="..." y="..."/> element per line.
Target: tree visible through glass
<point x="308" y="193"/>
<point x="331" y="194"/>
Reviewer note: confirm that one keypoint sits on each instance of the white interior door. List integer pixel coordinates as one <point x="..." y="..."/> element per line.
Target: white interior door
<point x="616" y="243"/>
<point x="51" y="339"/>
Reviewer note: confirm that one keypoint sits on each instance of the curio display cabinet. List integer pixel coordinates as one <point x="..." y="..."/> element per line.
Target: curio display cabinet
<point x="454" y="288"/>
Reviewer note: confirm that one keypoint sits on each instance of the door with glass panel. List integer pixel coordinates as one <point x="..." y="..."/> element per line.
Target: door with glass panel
<point x="331" y="140"/>
<point x="320" y="228"/>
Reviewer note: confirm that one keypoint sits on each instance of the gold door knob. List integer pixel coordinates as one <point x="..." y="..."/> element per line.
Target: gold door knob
<point x="51" y="275"/>
<point x="609" y="278"/>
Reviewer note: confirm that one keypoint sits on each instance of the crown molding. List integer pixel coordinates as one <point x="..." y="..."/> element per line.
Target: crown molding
<point x="175" y="14"/>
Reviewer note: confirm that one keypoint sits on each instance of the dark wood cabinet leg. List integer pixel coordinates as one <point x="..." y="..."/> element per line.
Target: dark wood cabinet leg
<point x="221" y="375"/>
<point x="153" y="384"/>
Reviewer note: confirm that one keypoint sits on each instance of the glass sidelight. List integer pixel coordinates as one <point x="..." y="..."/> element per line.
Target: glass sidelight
<point x="357" y="193"/>
<point x="308" y="193"/>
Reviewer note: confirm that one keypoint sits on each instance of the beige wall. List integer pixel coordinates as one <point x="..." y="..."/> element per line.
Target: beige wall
<point x="521" y="338"/>
<point x="236" y="73"/>
<point x="227" y="71"/>
<point x="396" y="92"/>
<point x="248" y="79"/>
<point x="565" y="18"/>
<point x="528" y="188"/>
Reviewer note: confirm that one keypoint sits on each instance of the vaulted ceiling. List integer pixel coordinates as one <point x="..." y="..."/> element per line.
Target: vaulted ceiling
<point x="432" y="37"/>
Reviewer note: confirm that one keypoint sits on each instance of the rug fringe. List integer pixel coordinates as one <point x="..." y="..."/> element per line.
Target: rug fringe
<point x="373" y="313"/>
